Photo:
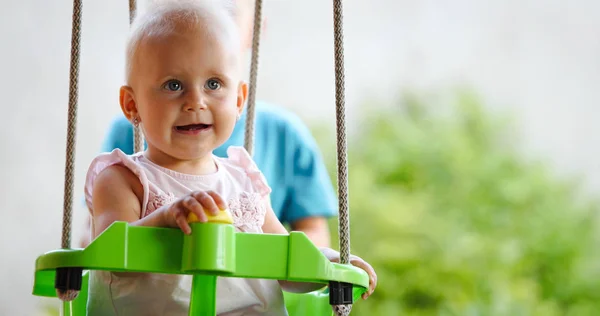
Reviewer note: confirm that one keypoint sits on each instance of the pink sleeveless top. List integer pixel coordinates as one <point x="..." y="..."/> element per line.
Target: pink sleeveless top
<point x="245" y="189"/>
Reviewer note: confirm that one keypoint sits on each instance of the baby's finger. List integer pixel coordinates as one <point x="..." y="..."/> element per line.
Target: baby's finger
<point x="372" y="285"/>
<point x="180" y="219"/>
<point x="207" y="202"/>
<point x="173" y="212"/>
<point x="218" y="199"/>
<point x="370" y="290"/>
<point x="193" y="206"/>
<point x="358" y="262"/>
<point x="197" y="209"/>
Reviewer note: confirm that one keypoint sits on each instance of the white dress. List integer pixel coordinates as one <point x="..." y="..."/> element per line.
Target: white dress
<point x="242" y="185"/>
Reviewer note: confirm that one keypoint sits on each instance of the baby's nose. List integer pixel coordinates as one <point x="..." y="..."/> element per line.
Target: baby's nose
<point x="195" y="102"/>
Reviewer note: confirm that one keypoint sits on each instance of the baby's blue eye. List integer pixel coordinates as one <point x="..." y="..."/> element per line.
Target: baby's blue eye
<point x="212" y="84"/>
<point x="173" y="85"/>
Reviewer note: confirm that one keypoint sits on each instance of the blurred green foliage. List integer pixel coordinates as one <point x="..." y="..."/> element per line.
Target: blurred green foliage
<point x="457" y="221"/>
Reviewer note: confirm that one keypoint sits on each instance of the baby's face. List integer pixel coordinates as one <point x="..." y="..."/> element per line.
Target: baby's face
<point x="188" y="92"/>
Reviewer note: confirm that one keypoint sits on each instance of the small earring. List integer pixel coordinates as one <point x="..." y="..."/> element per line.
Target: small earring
<point x="136" y="122"/>
<point x="238" y="117"/>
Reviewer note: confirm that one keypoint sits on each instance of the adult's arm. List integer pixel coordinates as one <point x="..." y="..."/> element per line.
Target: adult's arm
<point x="312" y="200"/>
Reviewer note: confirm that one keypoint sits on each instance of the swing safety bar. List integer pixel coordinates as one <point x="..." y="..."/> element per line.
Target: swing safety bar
<point x="211" y="250"/>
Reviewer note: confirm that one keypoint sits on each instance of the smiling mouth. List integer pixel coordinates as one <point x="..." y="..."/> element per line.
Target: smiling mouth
<point x="193" y="127"/>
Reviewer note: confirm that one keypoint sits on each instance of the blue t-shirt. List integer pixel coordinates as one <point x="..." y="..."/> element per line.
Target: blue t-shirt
<point x="285" y="152"/>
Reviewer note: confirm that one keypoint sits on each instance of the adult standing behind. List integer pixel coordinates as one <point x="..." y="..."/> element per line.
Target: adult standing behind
<point x="284" y="150"/>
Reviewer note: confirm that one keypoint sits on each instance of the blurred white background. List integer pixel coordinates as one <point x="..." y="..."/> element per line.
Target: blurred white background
<point x="536" y="58"/>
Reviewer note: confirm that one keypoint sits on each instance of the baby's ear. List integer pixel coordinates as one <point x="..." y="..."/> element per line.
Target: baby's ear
<point x="242" y="96"/>
<point x="128" y="104"/>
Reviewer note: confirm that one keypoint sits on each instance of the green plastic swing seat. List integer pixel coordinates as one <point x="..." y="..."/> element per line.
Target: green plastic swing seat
<point x="211" y="250"/>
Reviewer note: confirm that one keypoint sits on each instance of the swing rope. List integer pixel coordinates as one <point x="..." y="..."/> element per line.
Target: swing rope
<point x="132" y="7"/>
<point x="340" y="111"/>
<point x="138" y="137"/>
<point x="72" y="125"/>
<point x="342" y="160"/>
<point x="249" y="132"/>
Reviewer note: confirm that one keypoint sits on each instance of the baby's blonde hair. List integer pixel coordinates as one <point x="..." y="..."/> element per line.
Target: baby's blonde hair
<point x="164" y="17"/>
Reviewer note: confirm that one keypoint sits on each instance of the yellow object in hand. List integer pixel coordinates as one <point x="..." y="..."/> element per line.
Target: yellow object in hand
<point x="223" y="217"/>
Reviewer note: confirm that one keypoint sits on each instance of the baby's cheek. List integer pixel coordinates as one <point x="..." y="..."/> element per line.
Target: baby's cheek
<point x="224" y="124"/>
<point x="157" y="130"/>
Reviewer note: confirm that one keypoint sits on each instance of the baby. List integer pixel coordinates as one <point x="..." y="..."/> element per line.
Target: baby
<point x="185" y="90"/>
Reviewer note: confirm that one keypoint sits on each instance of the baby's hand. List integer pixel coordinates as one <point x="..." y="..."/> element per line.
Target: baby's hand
<point x="359" y="262"/>
<point x="175" y="215"/>
<point x="356" y="261"/>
